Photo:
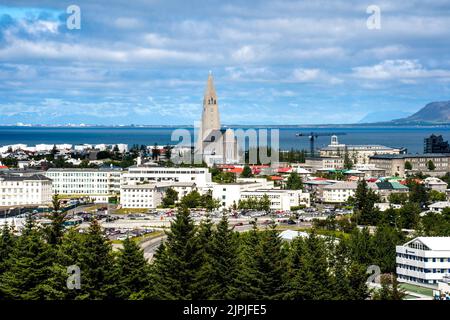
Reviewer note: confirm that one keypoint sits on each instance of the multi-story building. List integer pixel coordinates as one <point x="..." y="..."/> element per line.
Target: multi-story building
<point x="146" y="196"/>
<point x="436" y="184"/>
<point x="359" y="154"/>
<point x="229" y="194"/>
<point x="25" y="190"/>
<point x="98" y="184"/>
<point x="323" y="163"/>
<point x="339" y="192"/>
<point x="423" y="260"/>
<point x="435" y="144"/>
<point x="279" y="199"/>
<point x="153" y="173"/>
<point x="394" y="164"/>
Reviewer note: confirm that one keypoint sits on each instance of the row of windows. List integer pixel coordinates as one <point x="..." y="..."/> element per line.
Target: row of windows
<point x="410" y="278"/>
<point x="419" y="269"/>
<point x="416" y="258"/>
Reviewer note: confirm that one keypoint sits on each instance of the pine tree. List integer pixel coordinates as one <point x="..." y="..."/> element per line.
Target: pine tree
<point x="7" y="241"/>
<point x="177" y="261"/>
<point x="224" y="260"/>
<point x="271" y="264"/>
<point x="247" y="283"/>
<point x="132" y="271"/>
<point x="57" y="217"/>
<point x="32" y="272"/>
<point x="96" y="266"/>
<point x="204" y="279"/>
<point x="312" y="281"/>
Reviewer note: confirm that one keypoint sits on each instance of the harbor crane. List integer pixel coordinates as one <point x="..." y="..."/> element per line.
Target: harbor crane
<point x="314" y="135"/>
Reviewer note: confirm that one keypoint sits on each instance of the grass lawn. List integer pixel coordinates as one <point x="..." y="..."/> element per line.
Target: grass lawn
<point x="417" y="289"/>
<point x="130" y="210"/>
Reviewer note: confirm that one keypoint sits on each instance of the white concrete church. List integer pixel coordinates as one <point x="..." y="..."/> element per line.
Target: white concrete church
<point x="215" y="145"/>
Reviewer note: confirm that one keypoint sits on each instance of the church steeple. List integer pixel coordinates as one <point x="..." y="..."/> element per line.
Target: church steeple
<point x="210" y="96"/>
<point x="210" y="116"/>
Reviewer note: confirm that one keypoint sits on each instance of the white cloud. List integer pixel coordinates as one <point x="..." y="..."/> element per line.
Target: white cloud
<point x="399" y="70"/>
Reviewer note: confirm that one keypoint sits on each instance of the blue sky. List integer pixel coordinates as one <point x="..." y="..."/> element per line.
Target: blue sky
<point x="274" y="62"/>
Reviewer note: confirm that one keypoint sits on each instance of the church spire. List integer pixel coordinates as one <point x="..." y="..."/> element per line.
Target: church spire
<point x="210" y="96"/>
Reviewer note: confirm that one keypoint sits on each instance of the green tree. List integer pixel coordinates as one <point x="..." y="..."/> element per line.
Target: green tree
<point x="132" y="271"/>
<point x="409" y="215"/>
<point x="430" y="165"/>
<point x="389" y="289"/>
<point x="435" y="195"/>
<point x="177" y="261"/>
<point x="408" y="165"/>
<point x="57" y="217"/>
<point x="31" y="269"/>
<point x="170" y="197"/>
<point x="398" y="198"/>
<point x="364" y="202"/>
<point x="7" y="241"/>
<point x="224" y="260"/>
<point x="247" y="172"/>
<point x="191" y="200"/>
<point x="294" y="181"/>
<point x="96" y="263"/>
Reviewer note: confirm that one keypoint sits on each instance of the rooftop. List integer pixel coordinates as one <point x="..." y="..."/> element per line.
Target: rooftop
<point x="433" y="243"/>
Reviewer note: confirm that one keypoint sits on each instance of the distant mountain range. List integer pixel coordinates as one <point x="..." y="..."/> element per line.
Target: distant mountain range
<point x="433" y="113"/>
<point x="379" y="116"/>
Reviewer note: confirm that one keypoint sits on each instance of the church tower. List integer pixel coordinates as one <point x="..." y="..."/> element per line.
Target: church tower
<point x="210" y="115"/>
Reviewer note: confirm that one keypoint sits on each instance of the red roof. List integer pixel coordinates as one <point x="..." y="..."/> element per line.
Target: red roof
<point x="319" y="179"/>
<point x="372" y="179"/>
<point x="3" y="167"/>
<point x="236" y="170"/>
<point x="276" y="178"/>
<point x="284" y="170"/>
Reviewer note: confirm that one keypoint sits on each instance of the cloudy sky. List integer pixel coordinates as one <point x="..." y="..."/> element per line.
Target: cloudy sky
<point x="274" y="62"/>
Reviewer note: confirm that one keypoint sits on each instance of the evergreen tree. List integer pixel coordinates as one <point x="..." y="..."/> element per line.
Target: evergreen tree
<point x="7" y="241"/>
<point x="57" y="217"/>
<point x="246" y="172"/>
<point x="96" y="265"/>
<point x="294" y="181"/>
<point x="312" y="281"/>
<point x="247" y="283"/>
<point x="270" y="264"/>
<point x="31" y="269"/>
<point x="132" y="271"/>
<point x="224" y="260"/>
<point x="383" y="247"/>
<point x="389" y="289"/>
<point x="170" y="197"/>
<point x="177" y="261"/>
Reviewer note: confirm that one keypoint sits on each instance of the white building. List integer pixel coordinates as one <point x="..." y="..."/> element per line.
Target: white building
<point x="339" y="192"/>
<point x="434" y="183"/>
<point x="25" y="190"/>
<point x="152" y="173"/>
<point x="358" y="153"/>
<point x="423" y="260"/>
<point x="279" y="199"/>
<point x="439" y="206"/>
<point x="230" y="193"/>
<point x="144" y="196"/>
<point x="98" y="184"/>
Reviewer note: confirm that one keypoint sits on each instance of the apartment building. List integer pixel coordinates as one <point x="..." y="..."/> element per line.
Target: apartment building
<point x="279" y="199"/>
<point x="25" y="190"/>
<point x="155" y="174"/>
<point x="148" y="195"/>
<point x="394" y="164"/>
<point x="423" y="260"/>
<point x="98" y="184"/>
<point x="359" y="154"/>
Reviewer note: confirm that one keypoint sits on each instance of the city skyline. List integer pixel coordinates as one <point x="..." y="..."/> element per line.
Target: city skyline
<point x="292" y="62"/>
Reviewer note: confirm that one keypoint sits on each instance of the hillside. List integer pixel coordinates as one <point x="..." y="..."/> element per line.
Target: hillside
<point x="432" y="113"/>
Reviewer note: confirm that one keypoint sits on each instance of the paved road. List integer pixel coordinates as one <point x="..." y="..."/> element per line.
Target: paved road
<point x="151" y="246"/>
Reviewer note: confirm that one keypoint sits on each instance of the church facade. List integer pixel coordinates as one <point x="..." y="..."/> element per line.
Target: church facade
<point x="215" y="145"/>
